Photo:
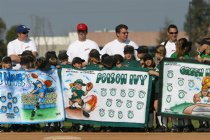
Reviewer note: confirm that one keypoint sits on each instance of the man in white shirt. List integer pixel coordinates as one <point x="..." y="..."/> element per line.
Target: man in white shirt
<point x="117" y="46"/>
<point x="170" y="44"/>
<point x="16" y="47"/>
<point x="81" y="47"/>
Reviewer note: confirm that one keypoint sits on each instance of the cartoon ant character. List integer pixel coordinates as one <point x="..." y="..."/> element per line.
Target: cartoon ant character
<point x="40" y="90"/>
<point x="77" y="91"/>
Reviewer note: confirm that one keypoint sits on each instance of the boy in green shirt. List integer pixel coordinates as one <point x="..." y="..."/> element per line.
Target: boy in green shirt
<point x="129" y="59"/>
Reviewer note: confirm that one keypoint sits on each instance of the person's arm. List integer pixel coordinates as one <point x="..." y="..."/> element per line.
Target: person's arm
<point x="152" y="72"/>
<point x="15" y="58"/>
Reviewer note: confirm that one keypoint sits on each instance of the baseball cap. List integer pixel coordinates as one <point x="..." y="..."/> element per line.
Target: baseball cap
<point x="62" y="55"/>
<point x="204" y="41"/>
<point x="82" y="27"/>
<point x="22" y="28"/>
<point x="80" y="82"/>
<point x="77" y="60"/>
<point x="142" y="49"/>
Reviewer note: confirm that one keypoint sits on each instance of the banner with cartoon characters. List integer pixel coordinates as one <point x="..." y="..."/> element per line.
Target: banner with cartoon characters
<point x="185" y="89"/>
<point x="112" y="98"/>
<point x="30" y="97"/>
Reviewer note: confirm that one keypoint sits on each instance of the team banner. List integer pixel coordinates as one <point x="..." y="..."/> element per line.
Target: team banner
<point x="116" y="98"/>
<point x="185" y="89"/>
<point x="30" y="97"/>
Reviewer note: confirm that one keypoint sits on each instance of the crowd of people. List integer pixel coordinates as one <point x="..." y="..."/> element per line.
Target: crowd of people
<point x="118" y="54"/>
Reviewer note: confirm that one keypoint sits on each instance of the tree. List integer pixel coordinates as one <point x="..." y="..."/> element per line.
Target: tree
<point x="197" y="20"/>
<point x="11" y="34"/>
<point x="163" y="31"/>
<point x="3" y="49"/>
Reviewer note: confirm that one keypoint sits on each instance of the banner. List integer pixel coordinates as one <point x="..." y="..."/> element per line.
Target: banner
<point x="113" y="98"/>
<point x="30" y="97"/>
<point x="185" y="89"/>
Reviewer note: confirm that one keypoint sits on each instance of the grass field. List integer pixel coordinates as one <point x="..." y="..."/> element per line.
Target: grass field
<point x="41" y="114"/>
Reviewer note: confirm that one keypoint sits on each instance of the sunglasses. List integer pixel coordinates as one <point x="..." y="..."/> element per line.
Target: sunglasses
<point x="173" y="33"/>
<point x="125" y="33"/>
<point x="24" y="32"/>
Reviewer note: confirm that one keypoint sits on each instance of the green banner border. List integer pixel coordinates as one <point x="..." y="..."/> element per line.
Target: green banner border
<point x="161" y="85"/>
<point x="117" y="124"/>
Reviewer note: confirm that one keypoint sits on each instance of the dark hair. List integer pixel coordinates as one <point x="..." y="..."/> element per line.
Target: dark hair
<point x="142" y="49"/>
<point x="108" y="62"/>
<point x="27" y="60"/>
<point x="172" y="26"/>
<point x="184" y="46"/>
<point x="50" y="54"/>
<point x="42" y="64"/>
<point x="162" y="50"/>
<point x="118" y="58"/>
<point x="128" y="49"/>
<point x="63" y="55"/>
<point x="7" y="60"/>
<point x="26" y="52"/>
<point x="77" y="60"/>
<point x="94" y="56"/>
<point x="119" y="27"/>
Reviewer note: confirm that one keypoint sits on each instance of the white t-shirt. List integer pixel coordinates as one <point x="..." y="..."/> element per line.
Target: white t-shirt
<point x="81" y="49"/>
<point x="116" y="47"/>
<point x="17" y="47"/>
<point x="170" y="48"/>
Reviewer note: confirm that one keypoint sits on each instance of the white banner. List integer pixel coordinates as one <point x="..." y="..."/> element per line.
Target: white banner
<point x="30" y="97"/>
<point x="185" y="89"/>
<point x="116" y="96"/>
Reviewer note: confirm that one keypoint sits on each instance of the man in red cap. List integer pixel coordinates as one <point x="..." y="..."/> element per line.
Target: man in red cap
<point x="81" y="47"/>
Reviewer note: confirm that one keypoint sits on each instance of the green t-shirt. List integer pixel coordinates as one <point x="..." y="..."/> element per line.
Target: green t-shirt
<point x="186" y="56"/>
<point x="131" y="63"/>
<point x="92" y="67"/>
<point x="205" y="56"/>
<point x="79" y="93"/>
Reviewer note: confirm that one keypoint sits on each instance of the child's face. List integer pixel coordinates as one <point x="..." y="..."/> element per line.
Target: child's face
<point x="64" y="62"/>
<point x="118" y="64"/>
<point x="78" y="65"/>
<point x="158" y="55"/>
<point x="140" y="55"/>
<point x="78" y="86"/>
<point x="148" y="63"/>
<point x="6" y="66"/>
<point x="39" y="85"/>
<point x="128" y="56"/>
<point x="204" y="92"/>
<point x="207" y="51"/>
<point x="202" y="48"/>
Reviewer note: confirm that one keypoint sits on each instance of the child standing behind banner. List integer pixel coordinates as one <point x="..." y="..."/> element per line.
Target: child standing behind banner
<point x="183" y="47"/>
<point x="129" y="58"/>
<point x="159" y="55"/>
<point x="150" y="64"/>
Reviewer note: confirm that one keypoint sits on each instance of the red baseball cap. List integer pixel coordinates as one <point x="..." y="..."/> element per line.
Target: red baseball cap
<point x="82" y="27"/>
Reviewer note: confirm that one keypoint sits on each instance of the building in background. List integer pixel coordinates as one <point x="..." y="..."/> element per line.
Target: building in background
<point x="58" y="43"/>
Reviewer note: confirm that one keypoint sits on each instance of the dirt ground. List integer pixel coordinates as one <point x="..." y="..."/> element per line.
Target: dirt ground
<point x="104" y="136"/>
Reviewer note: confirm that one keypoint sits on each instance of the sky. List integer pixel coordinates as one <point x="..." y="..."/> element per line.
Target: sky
<point x="60" y="17"/>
